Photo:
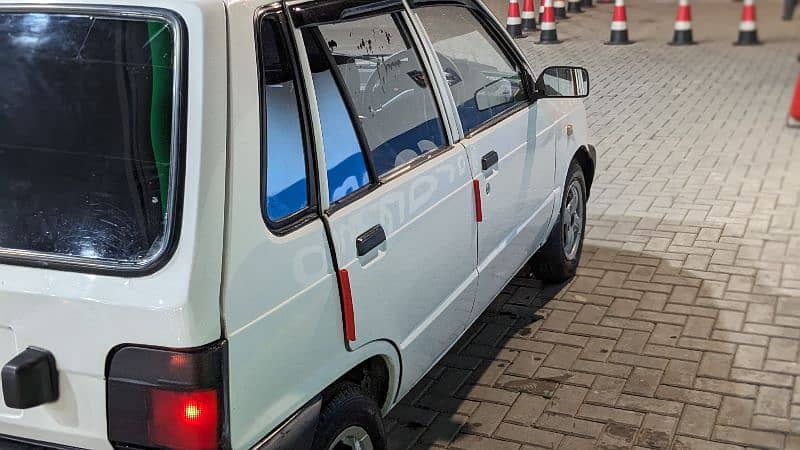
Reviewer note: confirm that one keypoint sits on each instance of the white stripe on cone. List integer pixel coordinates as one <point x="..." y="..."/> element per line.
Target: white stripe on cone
<point x="747" y="26"/>
<point x="559" y="4"/>
<point x="547" y="26"/>
<point x="513" y="21"/>
<point x="528" y="15"/>
<point x="683" y="26"/>
<point x="619" y="26"/>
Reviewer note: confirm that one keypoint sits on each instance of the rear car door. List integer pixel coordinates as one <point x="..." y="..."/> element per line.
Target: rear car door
<point x="400" y="205"/>
<point x="508" y="138"/>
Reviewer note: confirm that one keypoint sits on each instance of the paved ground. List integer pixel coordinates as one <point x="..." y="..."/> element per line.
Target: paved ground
<point x="682" y="329"/>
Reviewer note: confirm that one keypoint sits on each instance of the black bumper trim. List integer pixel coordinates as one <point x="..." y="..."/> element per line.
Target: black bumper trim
<point x="18" y="443"/>
<point x="297" y="433"/>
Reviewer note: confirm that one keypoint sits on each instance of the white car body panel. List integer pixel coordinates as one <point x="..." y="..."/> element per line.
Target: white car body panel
<point x="517" y="197"/>
<point x="276" y="298"/>
<point x="280" y="296"/>
<point x="80" y="317"/>
<point x="428" y="217"/>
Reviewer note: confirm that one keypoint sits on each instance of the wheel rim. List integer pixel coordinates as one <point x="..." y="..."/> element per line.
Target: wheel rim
<point x="352" y="438"/>
<point x="572" y="220"/>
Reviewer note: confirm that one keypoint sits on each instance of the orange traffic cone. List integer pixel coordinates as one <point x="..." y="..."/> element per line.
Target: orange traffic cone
<point x="514" y="22"/>
<point x="619" y="25"/>
<point x="747" y="27"/>
<point x="547" y="23"/>
<point x="794" y="110"/>
<point x="528" y="16"/>
<point x="683" y="25"/>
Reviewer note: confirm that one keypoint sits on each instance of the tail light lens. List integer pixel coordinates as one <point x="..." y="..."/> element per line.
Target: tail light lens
<point x="168" y="399"/>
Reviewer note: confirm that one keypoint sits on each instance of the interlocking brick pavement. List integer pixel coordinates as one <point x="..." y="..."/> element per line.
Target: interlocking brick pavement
<point x="682" y="327"/>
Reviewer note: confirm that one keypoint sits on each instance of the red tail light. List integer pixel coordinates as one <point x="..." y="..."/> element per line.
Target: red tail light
<point x="167" y="399"/>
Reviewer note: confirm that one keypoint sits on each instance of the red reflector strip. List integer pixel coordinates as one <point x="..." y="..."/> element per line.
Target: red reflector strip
<point x="476" y="187"/>
<point x="347" y="305"/>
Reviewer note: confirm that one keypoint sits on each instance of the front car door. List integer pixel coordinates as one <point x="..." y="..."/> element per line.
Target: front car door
<point x="399" y="194"/>
<point x="509" y="138"/>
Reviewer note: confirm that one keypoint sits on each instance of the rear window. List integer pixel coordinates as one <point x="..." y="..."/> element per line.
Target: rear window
<point x="88" y="147"/>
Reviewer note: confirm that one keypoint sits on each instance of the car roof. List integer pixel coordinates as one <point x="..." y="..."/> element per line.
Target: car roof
<point x="168" y="3"/>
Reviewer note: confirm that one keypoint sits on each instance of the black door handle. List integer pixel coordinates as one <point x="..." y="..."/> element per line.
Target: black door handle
<point x="370" y="239"/>
<point x="490" y="159"/>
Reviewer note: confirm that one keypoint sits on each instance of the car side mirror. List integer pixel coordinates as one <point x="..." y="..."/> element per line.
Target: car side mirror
<point x="563" y="82"/>
<point x="497" y="93"/>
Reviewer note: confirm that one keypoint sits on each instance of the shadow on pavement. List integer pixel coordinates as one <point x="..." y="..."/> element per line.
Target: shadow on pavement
<point x="543" y="362"/>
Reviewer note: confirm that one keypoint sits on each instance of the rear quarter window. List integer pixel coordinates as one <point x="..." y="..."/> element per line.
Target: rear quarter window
<point x="89" y="147"/>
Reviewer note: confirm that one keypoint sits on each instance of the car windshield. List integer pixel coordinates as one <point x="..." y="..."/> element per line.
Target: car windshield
<point x="87" y="154"/>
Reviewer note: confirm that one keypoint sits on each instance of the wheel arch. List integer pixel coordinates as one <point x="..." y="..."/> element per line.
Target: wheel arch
<point x="586" y="156"/>
<point x="377" y="376"/>
<point x="375" y="367"/>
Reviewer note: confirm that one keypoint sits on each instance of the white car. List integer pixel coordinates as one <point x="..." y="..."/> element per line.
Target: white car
<point x="257" y="224"/>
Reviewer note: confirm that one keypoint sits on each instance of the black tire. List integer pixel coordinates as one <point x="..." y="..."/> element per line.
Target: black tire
<point x="550" y="264"/>
<point x="348" y="406"/>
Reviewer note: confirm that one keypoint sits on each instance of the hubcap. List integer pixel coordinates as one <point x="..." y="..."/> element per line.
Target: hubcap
<point x="353" y="438"/>
<point x="572" y="220"/>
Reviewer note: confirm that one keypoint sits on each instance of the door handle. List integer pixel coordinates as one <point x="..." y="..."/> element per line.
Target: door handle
<point x="490" y="159"/>
<point x="370" y="239"/>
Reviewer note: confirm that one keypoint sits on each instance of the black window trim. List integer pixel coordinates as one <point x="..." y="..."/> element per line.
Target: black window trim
<point x="348" y="104"/>
<point x="498" y="36"/>
<point x="323" y="12"/>
<point x="400" y="19"/>
<point x="310" y="212"/>
<point x="172" y="230"/>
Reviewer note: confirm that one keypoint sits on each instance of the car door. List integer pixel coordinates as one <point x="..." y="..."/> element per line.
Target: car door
<point x="508" y="137"/>
<point x="280" y="293"/>
<point x="400" y="205"/>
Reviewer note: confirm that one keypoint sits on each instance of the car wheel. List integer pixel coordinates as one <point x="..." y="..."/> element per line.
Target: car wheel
<point x="557" y="260"/>
<point x="350" y="420"/>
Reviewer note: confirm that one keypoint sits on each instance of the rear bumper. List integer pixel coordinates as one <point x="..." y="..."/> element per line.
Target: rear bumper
<point x="76" y="420"/>
<point x="12" y="443"/>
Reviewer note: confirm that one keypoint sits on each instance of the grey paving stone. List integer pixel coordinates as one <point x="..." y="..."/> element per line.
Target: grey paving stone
<point x="643" y="381"/>
<point x="697" y="421"/>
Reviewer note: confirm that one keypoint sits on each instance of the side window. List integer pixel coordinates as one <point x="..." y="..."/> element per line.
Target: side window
<point x="484" y="80"/>
<point x="386" y="89"/>
<point x="346" y="167"/>
<point x="286" y="182"/>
